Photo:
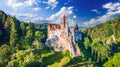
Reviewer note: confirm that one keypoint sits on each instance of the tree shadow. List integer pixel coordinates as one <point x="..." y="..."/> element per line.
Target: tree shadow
<point x="73" y="61"/>
<point x="51" y="59"/>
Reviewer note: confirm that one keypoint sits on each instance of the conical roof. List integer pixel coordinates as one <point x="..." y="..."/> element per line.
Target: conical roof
<point x="76" y="27"/>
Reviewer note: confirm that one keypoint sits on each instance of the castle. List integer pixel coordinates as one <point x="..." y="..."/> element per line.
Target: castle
<point x="61" y="37"/>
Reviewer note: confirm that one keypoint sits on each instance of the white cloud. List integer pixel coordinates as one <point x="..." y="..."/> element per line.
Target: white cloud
<point x="24" y="10"/>
<point x="51" y="3"/>
<point x="36" y="8"/>
<point x="64" y="10"/>
<point x="112" y="12"/>
<point x="112" y="6"/>
<point x="47" y="7"/>
<point x="25" y="15"/>
<point x="65" y="3"/>
<point x="16" y="3"/>
<point x="74" y="16"/>
<point x="55" y="18"/>
<point x="95" y="10"/>
<point x="68" y="1"/>
<point x="72" y="23"/>
<point x="37" y="18"/>
<point x="70" y="8"/>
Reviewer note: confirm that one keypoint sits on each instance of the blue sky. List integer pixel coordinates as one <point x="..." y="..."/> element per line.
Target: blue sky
<point x="86" y="13"/>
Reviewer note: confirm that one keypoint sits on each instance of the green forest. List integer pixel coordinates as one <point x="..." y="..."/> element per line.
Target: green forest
<point x="22" y="45"/>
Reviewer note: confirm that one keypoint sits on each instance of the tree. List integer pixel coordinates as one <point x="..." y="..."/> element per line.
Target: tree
<point x="114" y="61"/>
<point x="5" y="53"/>
<point x="99" y="50"/>
<point x="13" y="30"/>
<point x="0" y="32"/>
<point x="29" y="37"/>
<point x="26" y="59"/>
<point x="103" y="52"/>
<point x="13" y="63"/>
<point x="86" y="42"/>
<point x="13" y="37"/>
<point x="39" y="35"/>
<point x="23" y="27"/>
<point x="30" y="26"/>
<point x="117" y="33"/>
<point x="31" y="61"/>
<point x="1" y="37"/>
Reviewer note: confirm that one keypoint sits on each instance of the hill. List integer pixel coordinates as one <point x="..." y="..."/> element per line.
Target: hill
<point x="21" y="45"/>
<point x="103" y="40"/>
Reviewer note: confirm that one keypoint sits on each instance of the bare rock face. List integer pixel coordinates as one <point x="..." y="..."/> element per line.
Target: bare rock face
<point x="61" y="44"/>
<point x="77" y="51"/>
<point x="111" y="40"/>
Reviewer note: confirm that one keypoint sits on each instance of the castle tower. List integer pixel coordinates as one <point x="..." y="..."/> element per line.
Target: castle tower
<point x="64" y="22"/>
<point x="64" y="26"/>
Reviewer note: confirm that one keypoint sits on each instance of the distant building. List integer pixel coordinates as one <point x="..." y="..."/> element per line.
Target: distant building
<point x="60" y="37"/>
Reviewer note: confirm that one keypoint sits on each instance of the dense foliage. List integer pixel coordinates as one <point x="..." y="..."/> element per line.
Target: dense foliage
<point x="103" y="41"/>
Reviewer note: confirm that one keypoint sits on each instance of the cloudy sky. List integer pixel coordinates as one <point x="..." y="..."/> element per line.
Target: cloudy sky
<point x="86" y="13"/>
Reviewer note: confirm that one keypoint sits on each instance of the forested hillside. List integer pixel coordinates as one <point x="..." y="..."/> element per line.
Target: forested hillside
<point x="22" y="45"/>
<point x="103" y="42"/>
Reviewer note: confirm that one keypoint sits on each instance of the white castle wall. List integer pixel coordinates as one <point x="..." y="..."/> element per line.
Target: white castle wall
<point x="55" y="33"/>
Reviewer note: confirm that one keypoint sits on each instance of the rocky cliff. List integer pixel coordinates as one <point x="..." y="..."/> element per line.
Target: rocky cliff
<point x="61" y="44"/>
